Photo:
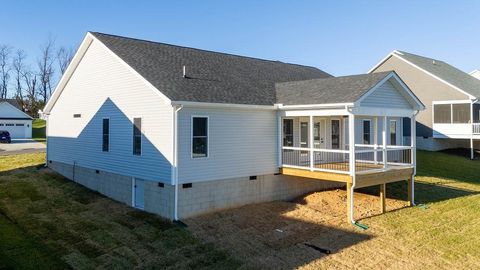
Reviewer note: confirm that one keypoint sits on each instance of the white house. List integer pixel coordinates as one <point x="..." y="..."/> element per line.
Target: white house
<point x="14" y="120"/>
<point x="180" y="131"/>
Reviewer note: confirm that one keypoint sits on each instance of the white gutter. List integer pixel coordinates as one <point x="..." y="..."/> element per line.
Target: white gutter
<point x="330" y="105"/>
<point x="175" y="158"/>
<point x="222" y="105"/>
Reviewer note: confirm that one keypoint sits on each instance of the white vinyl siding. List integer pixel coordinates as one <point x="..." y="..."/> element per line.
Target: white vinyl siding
<point x="387" y="96"/>
<point x="102" y="86"/>
<point x="241" y="143"/>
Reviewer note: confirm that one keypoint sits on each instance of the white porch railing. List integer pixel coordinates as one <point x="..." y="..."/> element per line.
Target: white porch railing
<point x="328" y="160"/>
<point x="367" y="158"/>
<point x="476" y="128"/>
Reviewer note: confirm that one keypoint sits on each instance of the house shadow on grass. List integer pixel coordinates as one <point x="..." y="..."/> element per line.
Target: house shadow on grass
<point x="424" y="192"/>
<point x="276" y="235"/>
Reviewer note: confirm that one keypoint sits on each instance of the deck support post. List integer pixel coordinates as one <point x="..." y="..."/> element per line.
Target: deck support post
<point x="383" y="194"/>
<point x="472" y="154"/>
<point x="411" y="186"/>
<point x="349" y="202"/>
<point x="384" y="142"/>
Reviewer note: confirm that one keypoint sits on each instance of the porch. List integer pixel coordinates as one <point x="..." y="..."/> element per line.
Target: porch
<point x="457" y="119"/>
<point x="316" y="145"/>
<point x="349" y="130"/>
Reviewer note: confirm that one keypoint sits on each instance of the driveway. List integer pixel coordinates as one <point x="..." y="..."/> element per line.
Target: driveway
<point x="21" y="147"/>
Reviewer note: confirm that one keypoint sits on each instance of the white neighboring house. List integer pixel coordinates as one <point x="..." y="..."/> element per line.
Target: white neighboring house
<point x="180" y="131"/>
<point x="475" y="73"/>
<point x="14" y="120"/>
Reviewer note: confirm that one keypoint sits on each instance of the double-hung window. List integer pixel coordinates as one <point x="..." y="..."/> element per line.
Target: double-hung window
<point x="105" y="135"/>
<point x="199" y="137"/>
<point x="137" y="136"/>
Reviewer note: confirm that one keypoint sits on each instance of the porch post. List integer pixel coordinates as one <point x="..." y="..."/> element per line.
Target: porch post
<point x="384" y="141"/>
<point x="472" y="154"/>
<point x="351" y="142"/>
<point x="413" y="142"/>
<point x="375" y="139"/>
<point x="279" y="140"/>
<point x="310" y="142"/>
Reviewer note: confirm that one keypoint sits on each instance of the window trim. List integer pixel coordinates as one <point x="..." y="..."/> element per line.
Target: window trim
<point x="103" y="134"/>
<point x="141" y="133"/>
<point x="390" y="131"/>
<point x="191" y="136"/>
<point x="369" y="131"/>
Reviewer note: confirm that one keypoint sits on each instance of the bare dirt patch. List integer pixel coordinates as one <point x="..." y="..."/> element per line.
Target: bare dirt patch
<point x="283" y="235"/>
<point x="334" y="202"/>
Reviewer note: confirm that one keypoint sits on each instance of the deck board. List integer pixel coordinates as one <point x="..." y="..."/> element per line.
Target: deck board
<point x="364" y="177"/>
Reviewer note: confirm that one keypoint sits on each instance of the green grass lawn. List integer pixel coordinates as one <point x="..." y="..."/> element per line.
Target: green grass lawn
<point x="445" y="229"/>
<point x="39" y="130"/>
<point x="48" y="222"/>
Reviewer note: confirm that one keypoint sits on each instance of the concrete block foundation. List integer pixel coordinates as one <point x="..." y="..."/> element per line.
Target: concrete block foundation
<point x="200" y="198"/>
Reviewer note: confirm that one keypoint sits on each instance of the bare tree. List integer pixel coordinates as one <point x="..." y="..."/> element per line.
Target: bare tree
<point x="46" y="70"/>
<point x="4" y="70"/>
<point x="19" y="70"/>
<point x="64" y="56"/>
<point x="31" y="86"/>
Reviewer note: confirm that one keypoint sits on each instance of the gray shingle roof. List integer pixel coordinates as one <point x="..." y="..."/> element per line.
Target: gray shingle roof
<point x="213" y="77"/>
<point x="12" y="101"/>
<point x="347" y="89"/>
<point x="444" y="71"/>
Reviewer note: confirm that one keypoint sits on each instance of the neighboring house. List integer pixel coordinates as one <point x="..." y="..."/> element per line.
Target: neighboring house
<point x="14" y="120"/>
<point x="475" y="73"/>
<point x="180" y="131"/>
<point x="450" y="95"/>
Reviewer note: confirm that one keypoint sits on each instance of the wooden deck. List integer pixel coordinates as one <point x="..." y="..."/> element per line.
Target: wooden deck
<point x="368" y="174"/>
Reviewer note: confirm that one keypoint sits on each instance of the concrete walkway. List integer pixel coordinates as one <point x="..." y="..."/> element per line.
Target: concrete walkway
<point x="21" y="146"/>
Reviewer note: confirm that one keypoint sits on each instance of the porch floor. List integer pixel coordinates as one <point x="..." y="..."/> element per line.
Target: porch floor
<point x="359" y="166"/>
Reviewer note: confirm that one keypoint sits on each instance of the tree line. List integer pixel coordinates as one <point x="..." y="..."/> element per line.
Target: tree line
<point x="32" y="84"/>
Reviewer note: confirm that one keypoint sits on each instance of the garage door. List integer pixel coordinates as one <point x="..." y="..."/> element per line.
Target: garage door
<point x="16" y="130"/>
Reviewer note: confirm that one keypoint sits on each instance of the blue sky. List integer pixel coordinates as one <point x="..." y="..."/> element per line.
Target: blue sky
<point x="340" y="37"/>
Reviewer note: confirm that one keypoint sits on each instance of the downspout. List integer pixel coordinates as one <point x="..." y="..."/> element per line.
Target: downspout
<point x="351" y="142"/>
<point x="176" y="109"/>
<point x="413" y="138"/>
<point x="46" y="116"/>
